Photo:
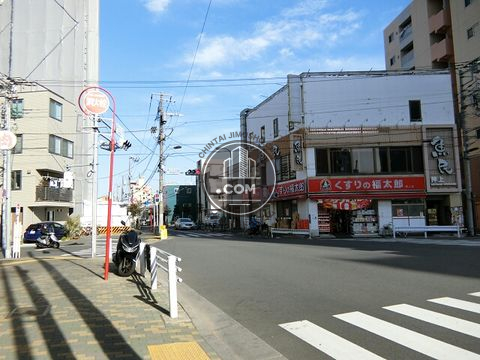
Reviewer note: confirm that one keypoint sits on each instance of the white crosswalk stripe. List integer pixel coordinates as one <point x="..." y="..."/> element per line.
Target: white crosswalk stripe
<point x="414" y="340"/>
<point x="327" y="342"/>
<point x="446" y="321"/>
<point x="341" y="348"/>
<point x="459" y="304"/>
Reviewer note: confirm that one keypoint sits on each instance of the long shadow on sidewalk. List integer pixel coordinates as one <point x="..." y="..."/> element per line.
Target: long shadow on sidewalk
<point x="107" y="336"/>
<point x="52" y="335"/>
<point x="21" y="342"/>
<point x="146" y="294"/>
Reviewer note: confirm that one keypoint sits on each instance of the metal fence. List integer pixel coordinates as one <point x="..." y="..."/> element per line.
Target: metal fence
<point x="152" y="259"/>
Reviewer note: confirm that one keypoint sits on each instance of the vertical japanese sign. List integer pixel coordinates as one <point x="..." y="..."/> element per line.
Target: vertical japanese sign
<point x="441" y="158"/>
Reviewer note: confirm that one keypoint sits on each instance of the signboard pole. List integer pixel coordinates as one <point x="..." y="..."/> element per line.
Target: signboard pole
<point x="6" y="213"/>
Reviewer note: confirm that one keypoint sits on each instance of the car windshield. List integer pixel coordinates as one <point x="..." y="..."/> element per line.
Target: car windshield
<point x="185" y="220"/>
<point x="214" y="217"/>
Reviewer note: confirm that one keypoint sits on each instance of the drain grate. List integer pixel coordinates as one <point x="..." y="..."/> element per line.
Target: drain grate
<point x="29" y="311"/>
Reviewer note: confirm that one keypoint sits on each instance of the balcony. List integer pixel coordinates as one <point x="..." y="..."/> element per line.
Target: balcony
<point x="439" y="22"/>
<point x="405" y="36"/>
<point x="442" y="50"/>
<point x="47" y="193"/>
<point x="408" y="60"/>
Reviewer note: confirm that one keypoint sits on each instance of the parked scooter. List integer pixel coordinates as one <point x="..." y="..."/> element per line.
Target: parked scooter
<point x="128" y="247"/>
<point x="48" y="240"/>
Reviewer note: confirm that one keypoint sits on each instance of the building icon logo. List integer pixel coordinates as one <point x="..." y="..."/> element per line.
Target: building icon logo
<point x="235" y="177"/>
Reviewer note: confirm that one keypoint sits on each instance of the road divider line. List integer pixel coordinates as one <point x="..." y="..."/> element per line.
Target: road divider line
<point x="327" y="342"/>
<point x="432" y="317"/>
<point x="458" y="304"/>
<point x="421" y="343"/>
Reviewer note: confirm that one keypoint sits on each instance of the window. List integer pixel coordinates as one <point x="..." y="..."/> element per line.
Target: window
<point x="401" y="159"/>
<point x="17" y="109"/>
<point x="16" y="180"/>
<point x="19" y="146"/>
<point x="275" y="127"/>
<point x="415" y="107"/>
<point x="60" y="146"/>
<point x="262" y="134"/>
<point x="363" y="161"/>
<point x="282" y="168"/>
<point x="390" y="38"/>
<point x="55" y="110"/>
<point x="392" y="60"/>
<point x="470" y="33"/>
<point x="467" y="2"/>
<point x="410" y="207"/>
<point x="322" y="161"/>
<point x="341" y="161"/>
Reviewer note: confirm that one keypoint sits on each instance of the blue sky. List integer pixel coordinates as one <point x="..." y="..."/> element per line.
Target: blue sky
<point x="246" y="50"/>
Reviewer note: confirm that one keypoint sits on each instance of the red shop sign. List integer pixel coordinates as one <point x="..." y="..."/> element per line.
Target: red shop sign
<point x="290" y="189"/>
<point x="367" y="184"/>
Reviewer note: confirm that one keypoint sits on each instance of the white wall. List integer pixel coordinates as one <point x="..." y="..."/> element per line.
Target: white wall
<point x="353" y="101"/>
<point x="274" y="107"/>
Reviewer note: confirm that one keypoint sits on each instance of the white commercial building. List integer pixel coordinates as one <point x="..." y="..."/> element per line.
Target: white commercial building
<point x="356" y="152"/>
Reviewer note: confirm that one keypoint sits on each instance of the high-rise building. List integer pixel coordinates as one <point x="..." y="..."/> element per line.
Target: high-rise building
<point x="52" y="49"/>
<point x="433" y="34"/>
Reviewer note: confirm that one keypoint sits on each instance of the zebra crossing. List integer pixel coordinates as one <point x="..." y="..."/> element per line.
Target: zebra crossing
<point x="191" y="234"/>
<point x="341" y="348"/>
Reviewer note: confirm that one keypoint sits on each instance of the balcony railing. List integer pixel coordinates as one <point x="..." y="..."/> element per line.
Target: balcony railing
<point x="408" y="60"/>
<point x="440" y="21"/>
<point x="405" y="36"/>
<point x="442" y="50"/>
<point x="46" y="193"/>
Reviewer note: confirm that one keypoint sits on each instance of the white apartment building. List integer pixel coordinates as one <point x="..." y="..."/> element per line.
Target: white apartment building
<point x="356" y="152"/>
<point x="54" y="45"/>
<point x="446" y="34"/>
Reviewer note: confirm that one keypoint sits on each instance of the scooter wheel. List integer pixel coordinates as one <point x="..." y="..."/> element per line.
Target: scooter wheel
<point x="56" y="245"/>
<point x="126" y="267"/>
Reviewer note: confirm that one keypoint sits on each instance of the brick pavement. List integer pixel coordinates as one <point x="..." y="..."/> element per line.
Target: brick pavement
<point x="64" y="309"/>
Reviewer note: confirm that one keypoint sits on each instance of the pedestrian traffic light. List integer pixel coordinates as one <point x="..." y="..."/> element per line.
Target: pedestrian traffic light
<point x="192" y="172"/>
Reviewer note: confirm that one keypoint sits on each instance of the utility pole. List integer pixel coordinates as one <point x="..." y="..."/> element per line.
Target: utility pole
<point x="161" y="138"/>
<point x="466" y="160"/>
<point x="6" y="207"/>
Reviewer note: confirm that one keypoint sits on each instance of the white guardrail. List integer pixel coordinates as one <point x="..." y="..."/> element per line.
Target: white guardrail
<point x="158" y="258"/>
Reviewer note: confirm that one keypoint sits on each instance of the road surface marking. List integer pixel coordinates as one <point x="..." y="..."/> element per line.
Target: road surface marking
<point x="475" y="294"/>
<point x="432" y="317"/>
<point x="327" y="342"/>
<point x="459" y="304"/>
<point x="411" y="339"/>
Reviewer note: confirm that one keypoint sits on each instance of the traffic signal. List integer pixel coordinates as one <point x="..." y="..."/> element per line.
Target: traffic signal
<point x="192" y="172"/>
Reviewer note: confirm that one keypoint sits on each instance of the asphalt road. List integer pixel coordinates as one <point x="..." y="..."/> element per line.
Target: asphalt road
<point x="263" y="283"/>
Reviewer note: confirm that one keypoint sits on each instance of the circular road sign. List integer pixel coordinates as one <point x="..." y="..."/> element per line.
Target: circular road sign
<point x="8" y="140"/>
<point x="95" y="102"/>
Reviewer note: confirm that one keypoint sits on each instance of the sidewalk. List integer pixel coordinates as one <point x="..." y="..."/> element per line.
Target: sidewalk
<point x="62" y="308"/>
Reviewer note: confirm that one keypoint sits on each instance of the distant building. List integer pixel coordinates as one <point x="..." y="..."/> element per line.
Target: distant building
<point x="186" y="205"/>
<point x="438" y="34"/>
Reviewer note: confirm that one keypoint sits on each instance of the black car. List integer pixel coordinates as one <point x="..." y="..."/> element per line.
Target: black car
<point x="33" y="231"/>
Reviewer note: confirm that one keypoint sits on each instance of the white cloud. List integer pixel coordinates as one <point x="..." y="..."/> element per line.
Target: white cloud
<point x="305" y="7"/>
<point x="156" y="6"/>
<point x="308" y="31"/>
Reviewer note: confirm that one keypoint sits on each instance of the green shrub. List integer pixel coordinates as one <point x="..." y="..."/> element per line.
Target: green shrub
<point x="73" y="227"/>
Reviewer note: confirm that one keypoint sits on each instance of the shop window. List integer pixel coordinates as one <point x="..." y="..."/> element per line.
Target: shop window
<point x="341" y="161"/>
<point x="321" y="159"/>
<point x="408" y="208"/>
